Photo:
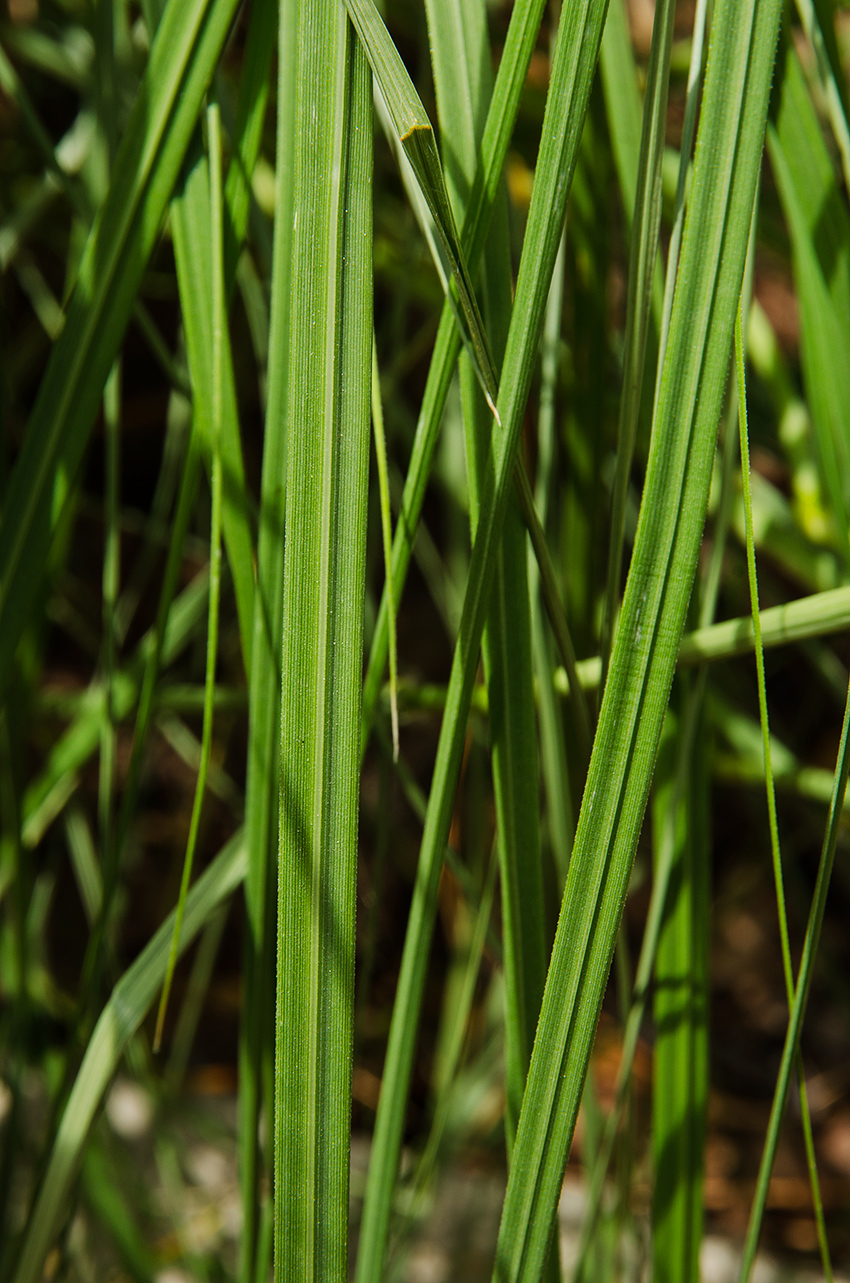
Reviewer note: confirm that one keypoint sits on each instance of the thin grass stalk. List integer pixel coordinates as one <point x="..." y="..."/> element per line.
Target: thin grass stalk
<point x="328" y="396"/>
<point x="770" y="787"/>
<point x="110" y="587"/>
<point x="663" y="564"/>
<point x="790" y="1050"/>
<point x="256" y="1040"/>
<point x="575" y="60"/>
<point x="642" y="257"/>
<point x="218" y="379"/>
<point x="387" y="537"/>
<point x="94" y="960"/>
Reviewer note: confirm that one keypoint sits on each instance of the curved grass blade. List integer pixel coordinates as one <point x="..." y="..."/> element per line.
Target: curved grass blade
<point x="411" y="123"/>
<point x="182" y="61"/>
<point x="218" y="358"/>
<point x="416" y="135"/>
<point x="519" y="45"/>
<point x="328" y="395"/>
<point x="574" y="64"/>
<point x="669" y="528"/>
<point x="121" y="1017"/>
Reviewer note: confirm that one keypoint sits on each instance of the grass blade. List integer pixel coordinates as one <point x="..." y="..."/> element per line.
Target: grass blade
<point x="680" y="1078"/>
<point x="256" y="1041"/>
<point x="642" y="259"/>
<point x="460" y="56"/>
<point x="182" y="61"/>
<point x="218" y="360"/>
<point x="768" y="772"/>
<point x="664" y="559"/>
<point x="519" y="45"/>
<point x="801" y="995"/>
<point x="387" y="535"/>
<point x="817" y="215"/>
<point x="121" y="1017"/>
<point x="574" y="64"/>
<point x="192" y="233"/>
<point x="328" y="397"/>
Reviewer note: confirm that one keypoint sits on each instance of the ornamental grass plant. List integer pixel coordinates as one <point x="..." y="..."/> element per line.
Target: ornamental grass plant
<point x="424" y="586"/>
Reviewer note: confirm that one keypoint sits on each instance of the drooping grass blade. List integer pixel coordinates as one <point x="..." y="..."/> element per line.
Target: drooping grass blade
<point x="663" y="563"/>
<point x="519" y="45"/>
<point x="328" y="398"/>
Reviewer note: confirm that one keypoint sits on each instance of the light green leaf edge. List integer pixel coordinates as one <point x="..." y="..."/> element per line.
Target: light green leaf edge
<point x="672" y="513"/>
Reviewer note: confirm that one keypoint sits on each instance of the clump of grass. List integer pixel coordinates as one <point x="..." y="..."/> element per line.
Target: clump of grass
<point x="563" y="514"/>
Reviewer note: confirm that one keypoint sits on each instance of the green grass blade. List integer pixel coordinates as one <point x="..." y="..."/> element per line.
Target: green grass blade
<point x="121" y="1017"/>
<point x="218" y="323"/>
<point x="768" y="767"/>
<point x="330" y="328"/>
<point x="822" y="37"/>
<point x="642" y="260"/>
<point x="816" y="215"/>
<point x="182" y="61"/>
<point x="790" y="1049"/>
<point x="253" y="99"/>
<point x="460" y="57"/>
<point x="416" y="135"/>
<point x="669" y="529"/>
<point x="680" y="1076"/>
<point x="574" y="64"/>
<point x="688" y="127"/>
<point x="256" y="1040"/>
<point x="519" y="45"/>
<point x="191" y="229"/>
<point x="387" y="535"/>
<point x="553" y="756"/>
